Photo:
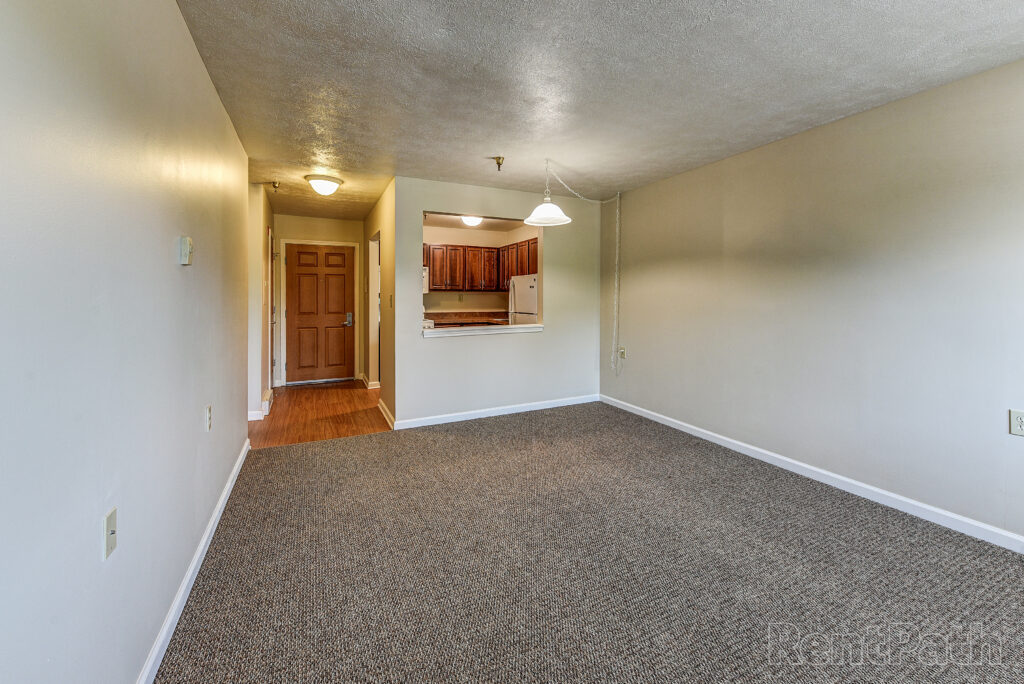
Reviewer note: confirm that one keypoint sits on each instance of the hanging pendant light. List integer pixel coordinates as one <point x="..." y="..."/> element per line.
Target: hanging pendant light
<point x="547" y="212"/>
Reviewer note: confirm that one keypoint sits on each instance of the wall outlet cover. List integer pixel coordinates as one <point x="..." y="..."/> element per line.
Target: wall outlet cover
<point x="1017" y="423"/>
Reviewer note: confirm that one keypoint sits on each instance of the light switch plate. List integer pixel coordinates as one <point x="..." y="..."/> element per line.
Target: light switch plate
<point x="109" y="533"/>
<point x="1017" y="423"/>
<point x="185" y="250"/>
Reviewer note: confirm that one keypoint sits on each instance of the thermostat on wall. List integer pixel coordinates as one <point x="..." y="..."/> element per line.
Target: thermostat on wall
<point x="185" y="251"/>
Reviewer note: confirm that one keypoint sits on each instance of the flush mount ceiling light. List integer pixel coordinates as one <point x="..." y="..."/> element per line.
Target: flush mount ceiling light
<point x="472" y="220"/>
<point x="323" y="185"/>
<point x="547" y="212"/>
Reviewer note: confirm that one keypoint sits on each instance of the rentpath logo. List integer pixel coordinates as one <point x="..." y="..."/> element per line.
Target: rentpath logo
<point x="888" y="644"/>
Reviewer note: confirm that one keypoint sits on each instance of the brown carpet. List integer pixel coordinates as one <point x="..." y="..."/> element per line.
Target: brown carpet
<point x="581" y="544"/>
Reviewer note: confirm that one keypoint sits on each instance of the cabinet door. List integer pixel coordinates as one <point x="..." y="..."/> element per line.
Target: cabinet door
<point x="531" y="256"/>
<point x="455" y="255"/>
<point x="513" y="262"/>
<point x="502" y="268"/>
<point x="474" y="268"/>
<point x="438" y="268"/>
<point x="426" y="254"/>
<point x="524" y="257"/>
<point x="490" y="281"/>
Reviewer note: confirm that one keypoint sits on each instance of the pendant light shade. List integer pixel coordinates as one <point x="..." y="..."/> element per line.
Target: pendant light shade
<point x="323" y="185"/>
<point x="547" y="213"/>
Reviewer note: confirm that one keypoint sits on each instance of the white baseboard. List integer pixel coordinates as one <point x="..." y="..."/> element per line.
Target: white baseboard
<point x="387" y="414"/>
<point x="367" y="384"/>
<point x="954" y="521"/>
<point x="268" y="401"/>
<point x="156" y="653"/>
<point x="496" y="411"/>
<point x="256" y="415"/>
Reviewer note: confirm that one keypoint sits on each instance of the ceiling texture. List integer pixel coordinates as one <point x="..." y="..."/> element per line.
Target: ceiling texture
<point x="617" y="94"/>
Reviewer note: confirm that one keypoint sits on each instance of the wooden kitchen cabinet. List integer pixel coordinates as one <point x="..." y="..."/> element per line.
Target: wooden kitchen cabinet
<point x="455" y="269"/>
<point x="481" y="268"/>
<point x="490" y="270"/>
<point x="474" y="268"/>
<point x="524" y="257"/>
<point x="437" y="264"/>
<point x="513" y="261"/>
<point x="478" y="269"/>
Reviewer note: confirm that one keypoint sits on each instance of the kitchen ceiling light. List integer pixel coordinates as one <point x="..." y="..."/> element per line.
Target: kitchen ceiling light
<point x="472" y="220"/>
<point x="324" y="185"/>
<point x="547" y="212"/>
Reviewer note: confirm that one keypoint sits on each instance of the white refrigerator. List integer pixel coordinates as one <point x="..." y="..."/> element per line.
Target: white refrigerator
<point x="522" y="299"/>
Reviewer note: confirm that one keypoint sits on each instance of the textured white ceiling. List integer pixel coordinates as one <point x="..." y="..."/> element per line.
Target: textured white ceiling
<point x="617" y="93"/>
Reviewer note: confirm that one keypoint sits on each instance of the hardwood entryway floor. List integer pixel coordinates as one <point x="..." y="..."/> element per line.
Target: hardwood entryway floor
<point x="307" y="413"/>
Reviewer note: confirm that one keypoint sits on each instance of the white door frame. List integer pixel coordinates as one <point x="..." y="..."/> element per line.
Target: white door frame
<point x="373" y="313"/>
<point x="283" y="273"/>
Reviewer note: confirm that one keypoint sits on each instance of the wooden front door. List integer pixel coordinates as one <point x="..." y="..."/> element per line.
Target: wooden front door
<point x="320" y="312"/>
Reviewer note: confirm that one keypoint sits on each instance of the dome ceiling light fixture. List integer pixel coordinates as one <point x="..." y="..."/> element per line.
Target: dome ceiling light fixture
<point x="547" y="212"/>
<point x="472" y="220"/>
<point x="323" y="185"/>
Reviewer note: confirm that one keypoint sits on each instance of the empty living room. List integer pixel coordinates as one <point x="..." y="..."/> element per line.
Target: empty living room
<point x="512" y="341"/>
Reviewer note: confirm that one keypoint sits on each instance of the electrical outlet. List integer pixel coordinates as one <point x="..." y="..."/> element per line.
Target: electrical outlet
<point x="209" y="418"/>
<point x="622" y="352"/>
<point x="1017" y="423"/>
<point x="109" y="533"/>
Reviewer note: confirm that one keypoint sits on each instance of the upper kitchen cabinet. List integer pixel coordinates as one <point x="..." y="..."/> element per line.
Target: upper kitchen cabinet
<point x="481" y="268"/>
<point x="531" y="251"/>
<point x="437" y="267"/>
<point x="455" y="267"/>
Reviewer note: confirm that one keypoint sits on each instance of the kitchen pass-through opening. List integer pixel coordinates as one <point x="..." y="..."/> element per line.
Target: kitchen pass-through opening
<point x="481" y="275"/>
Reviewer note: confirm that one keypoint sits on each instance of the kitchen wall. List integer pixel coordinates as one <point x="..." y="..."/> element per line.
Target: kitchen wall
<point x="497" y="370"/>
<point x="381" y="221"/>
<point x="314" y="229"/>
<point x="114" y="143"/>
<point x="847" y="297"/>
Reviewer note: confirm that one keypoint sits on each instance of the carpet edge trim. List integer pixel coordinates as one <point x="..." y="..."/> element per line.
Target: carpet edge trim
<point x="163" y="637"/>
<point x="494" y="411"/>
<point x="940" y="516"/>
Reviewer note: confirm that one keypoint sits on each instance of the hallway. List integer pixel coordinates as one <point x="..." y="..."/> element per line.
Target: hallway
<point x="307" y="413"/>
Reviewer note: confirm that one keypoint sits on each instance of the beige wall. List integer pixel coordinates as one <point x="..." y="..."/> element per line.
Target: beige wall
<point x="116" y="348"/>
<point x="299" y="228"/>
<point x="437" y="376"/>
<point x="261" y="219"/>
<point x="381" y="221"/>
<point x="848" y="297"/>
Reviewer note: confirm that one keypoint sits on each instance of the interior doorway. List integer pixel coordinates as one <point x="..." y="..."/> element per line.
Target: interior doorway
<point x="320" y="312"/>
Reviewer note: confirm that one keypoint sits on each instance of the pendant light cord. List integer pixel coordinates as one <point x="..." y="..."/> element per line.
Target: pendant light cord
<point x="615" y="360"/>
<point x="549" y="172"/>
<point x="616" y="365"/>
